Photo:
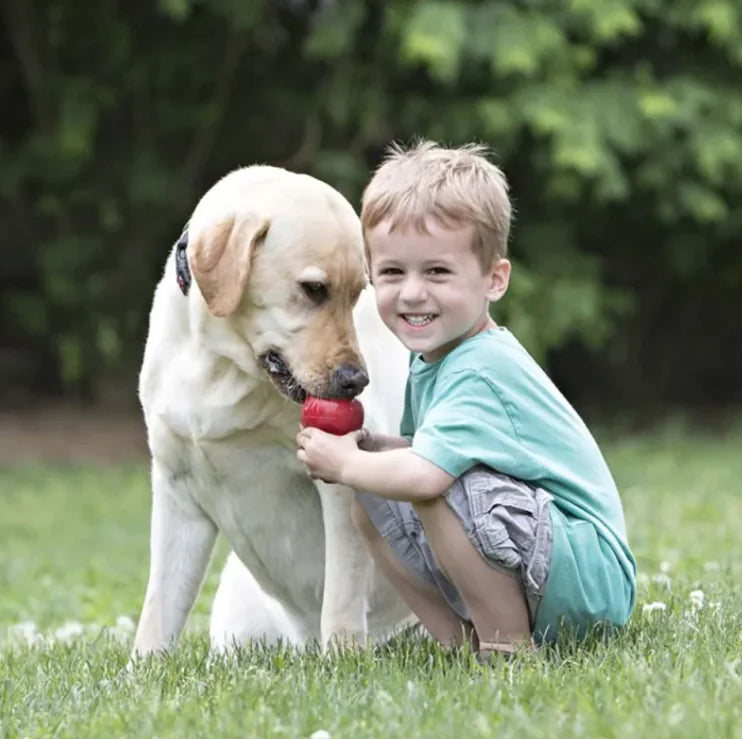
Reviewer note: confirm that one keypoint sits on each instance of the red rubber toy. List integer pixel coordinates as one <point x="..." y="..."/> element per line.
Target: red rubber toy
<point x="334" y="416"/>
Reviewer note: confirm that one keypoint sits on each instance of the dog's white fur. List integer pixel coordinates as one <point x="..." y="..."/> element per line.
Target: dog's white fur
<point x="221" y="434"/>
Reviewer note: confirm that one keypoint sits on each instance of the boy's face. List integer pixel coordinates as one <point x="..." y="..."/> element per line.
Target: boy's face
<point x="430" y="289"/>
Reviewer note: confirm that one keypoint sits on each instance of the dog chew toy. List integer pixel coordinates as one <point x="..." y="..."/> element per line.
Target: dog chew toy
<point x="334" y="416"/>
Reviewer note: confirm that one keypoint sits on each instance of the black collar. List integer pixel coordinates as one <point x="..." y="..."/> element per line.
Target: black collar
<point x="182" y="270"/>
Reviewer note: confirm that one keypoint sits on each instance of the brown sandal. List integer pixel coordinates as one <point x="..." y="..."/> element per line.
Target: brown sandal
<point x="489" y="649"/>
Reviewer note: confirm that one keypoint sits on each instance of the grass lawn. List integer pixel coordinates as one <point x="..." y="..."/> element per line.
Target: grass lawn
<point x="73" y="564"/>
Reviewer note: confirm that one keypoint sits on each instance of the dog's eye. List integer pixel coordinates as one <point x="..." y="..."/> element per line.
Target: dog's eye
<point x="315" y="291"/>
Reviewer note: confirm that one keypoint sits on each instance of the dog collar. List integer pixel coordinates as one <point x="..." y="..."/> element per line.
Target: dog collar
<point x="182" y="270"/>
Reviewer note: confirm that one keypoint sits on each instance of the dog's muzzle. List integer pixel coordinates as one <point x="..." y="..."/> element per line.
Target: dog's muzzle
<point x="346" y="381"/>
<point x="275" y="365"/>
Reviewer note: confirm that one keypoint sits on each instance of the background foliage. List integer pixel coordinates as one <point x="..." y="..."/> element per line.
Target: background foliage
<point x="618" y="122"/>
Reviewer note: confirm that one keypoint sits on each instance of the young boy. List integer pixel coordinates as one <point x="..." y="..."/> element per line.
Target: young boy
<point x="495" y="508"/>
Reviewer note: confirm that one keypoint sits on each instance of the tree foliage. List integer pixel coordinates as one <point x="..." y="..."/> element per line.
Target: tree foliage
<point x="618" y="123"/>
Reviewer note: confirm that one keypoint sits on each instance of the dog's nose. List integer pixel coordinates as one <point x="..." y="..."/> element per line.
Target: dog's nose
<point x="348" y="381"/>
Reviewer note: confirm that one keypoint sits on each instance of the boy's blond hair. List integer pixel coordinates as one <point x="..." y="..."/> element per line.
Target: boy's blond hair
<point x="456" y="187"/>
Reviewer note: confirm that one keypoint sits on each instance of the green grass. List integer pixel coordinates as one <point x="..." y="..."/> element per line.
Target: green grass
<point x="74" y="548"/>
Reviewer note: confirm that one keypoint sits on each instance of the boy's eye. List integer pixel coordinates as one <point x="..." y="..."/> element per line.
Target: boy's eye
<point x="390" y="271"/>
<point x="439" y="271"/>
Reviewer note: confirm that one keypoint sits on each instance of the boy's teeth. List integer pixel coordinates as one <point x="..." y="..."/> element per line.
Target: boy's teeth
<point x="419" y="320"/>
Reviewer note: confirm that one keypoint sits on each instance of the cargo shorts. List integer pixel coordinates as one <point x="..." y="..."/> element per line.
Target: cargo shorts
<point x="506" y="519"/>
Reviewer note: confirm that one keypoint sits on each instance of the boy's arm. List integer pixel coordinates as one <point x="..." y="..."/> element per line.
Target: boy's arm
<point x="398" y="474"/>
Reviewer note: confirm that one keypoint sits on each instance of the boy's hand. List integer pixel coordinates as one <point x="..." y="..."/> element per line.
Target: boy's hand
<point x="366" y="440"/>
<point x="372" y="442"/>
<point x="324" y="454"/>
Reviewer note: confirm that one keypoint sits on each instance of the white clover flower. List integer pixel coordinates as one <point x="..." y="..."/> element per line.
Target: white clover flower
<point x="123" y="628"/>
<point x="320" y="734"/>
<point x="661" y="579"/>
<point x="25" y="631"/>
<point x="69" y="630"/>
<point x="665" y="567"/>
<point x="696" y="599"/>
<point x="652" y="607"/>
<point x="126" y="624"/>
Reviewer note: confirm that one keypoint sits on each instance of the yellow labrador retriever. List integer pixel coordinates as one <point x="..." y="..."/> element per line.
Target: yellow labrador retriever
<point x="259" y="305"/>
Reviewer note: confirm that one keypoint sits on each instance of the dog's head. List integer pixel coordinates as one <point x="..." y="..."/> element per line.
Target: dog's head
<point x="279" y="256"/>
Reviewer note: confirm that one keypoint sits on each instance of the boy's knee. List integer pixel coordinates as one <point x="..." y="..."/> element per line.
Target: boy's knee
<point x="362" y="522"/>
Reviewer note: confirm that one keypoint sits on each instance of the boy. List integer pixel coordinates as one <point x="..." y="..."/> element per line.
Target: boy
<point x="494" y="514"/>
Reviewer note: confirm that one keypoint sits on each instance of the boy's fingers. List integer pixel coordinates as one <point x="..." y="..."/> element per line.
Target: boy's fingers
<point x="303" y="436"/>
<point x="364" y="439"/>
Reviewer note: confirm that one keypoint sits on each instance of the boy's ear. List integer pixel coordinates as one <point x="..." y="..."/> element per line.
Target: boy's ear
<point x="367" y="262"/>
<point x="499" y="279"/>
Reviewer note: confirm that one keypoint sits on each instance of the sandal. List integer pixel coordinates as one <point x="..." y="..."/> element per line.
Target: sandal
<point x="489" y="649"/>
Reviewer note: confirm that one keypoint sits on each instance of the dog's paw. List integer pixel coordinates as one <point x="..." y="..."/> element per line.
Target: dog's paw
<point x="341" y="640"/>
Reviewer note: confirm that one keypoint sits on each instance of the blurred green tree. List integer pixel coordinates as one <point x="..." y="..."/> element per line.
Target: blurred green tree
<point x="618" y="122"/>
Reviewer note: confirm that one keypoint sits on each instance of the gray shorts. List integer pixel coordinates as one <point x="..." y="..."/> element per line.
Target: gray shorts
<point x="507" y="521"/>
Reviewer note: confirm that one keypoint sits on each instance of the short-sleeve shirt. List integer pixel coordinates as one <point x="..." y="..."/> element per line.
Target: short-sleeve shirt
<point x="489" y="402"/>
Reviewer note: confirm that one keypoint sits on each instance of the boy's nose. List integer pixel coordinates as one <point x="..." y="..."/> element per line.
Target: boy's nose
<point x="413" y="290"/>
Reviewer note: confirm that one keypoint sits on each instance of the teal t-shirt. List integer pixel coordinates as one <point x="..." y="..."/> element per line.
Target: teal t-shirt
<point x="489" y="402"/>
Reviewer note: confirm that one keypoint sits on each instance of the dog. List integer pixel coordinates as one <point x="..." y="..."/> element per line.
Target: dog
<point x="263" y="301"/>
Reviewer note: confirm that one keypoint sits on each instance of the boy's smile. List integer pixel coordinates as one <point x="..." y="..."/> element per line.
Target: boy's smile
<point x="430" y="288"/>
<point x="419" y="321"/>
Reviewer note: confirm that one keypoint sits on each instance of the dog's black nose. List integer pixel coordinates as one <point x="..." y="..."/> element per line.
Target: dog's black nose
<point x="348" y="381"/>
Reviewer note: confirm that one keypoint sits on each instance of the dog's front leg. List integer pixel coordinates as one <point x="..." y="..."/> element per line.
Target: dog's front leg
<point x="181" y="540"/>
<point x="347" y="571"/>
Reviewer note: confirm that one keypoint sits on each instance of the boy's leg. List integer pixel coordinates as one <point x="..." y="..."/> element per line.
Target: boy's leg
<point x="495" y="598"/>
<point x="425" y="600"/>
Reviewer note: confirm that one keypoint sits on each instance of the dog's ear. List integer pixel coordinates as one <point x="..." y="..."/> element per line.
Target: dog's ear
<point x="221" y="257"/>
